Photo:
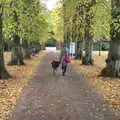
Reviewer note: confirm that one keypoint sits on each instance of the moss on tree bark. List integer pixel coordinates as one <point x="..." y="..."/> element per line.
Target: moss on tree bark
<point x="113" y="61"/>
<point x="3" y="72"/>
<point x="17" y="55"/>
<point x="26" y="50"/>
<point x="87" y="59"/>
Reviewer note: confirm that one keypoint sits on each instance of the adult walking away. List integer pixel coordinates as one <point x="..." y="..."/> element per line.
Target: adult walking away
<point x="64" y="59"/>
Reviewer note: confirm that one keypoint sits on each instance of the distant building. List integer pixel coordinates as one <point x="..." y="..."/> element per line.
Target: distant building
<point x="52" y="42"/>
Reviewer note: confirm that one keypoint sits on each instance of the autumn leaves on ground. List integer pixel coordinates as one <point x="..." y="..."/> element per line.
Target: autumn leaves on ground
<point x="10" y="90"/>
<point x="108" y="87"/>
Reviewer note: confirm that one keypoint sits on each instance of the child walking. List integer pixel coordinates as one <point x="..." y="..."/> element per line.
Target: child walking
<point x="55" y="64"/>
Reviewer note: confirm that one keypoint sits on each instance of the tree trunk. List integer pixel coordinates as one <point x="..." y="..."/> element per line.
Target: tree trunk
<point x="77" y="50"/>
<point x="17" y="56"/>
<point x="26" y="50"/>
<point x="80" y="44"/>
<point x="113" y="61"/>
<point x="87" y="59"/>
<point x="64" y="21"/>
<point x="100" y="48"/>
<point x="81" y="50"/>
<point x="79" y="54"/>
<point x="42" y="45"/>
<point x="3" y="72"/>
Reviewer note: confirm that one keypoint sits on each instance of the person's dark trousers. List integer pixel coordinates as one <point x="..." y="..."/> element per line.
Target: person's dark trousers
<point x="64" y="68"/>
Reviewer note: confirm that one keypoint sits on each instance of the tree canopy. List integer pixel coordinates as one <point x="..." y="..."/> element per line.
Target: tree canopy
<point x="73" y="12"/>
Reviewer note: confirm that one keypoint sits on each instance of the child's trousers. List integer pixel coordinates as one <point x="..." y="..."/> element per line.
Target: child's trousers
<point x="54" y="71"/>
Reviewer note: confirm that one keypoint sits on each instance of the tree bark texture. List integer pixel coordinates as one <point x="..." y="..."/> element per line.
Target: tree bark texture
<point x="3" y="72"/>
<point x="87" y="59"/>
<point x="26" y="50"/>
<point x="113" y="61"/>
<point x="17" y="55"/>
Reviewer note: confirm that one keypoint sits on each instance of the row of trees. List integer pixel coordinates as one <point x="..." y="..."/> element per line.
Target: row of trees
<point x="85" y="21"/>
<point x="22" y="23"/>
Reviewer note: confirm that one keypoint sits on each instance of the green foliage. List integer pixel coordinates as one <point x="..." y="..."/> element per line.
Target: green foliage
<point x="101" y="26"/>
<point x="58" y="23"/>
<point x="78" y="15"/>
<point x="26" y="19"/>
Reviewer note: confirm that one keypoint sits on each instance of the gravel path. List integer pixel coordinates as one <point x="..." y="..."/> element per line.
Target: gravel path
<point x="60" y="98"/>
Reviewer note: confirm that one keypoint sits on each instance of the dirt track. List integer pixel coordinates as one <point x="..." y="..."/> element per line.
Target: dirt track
<point x="60" y="98"/>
